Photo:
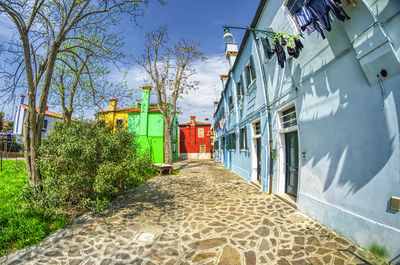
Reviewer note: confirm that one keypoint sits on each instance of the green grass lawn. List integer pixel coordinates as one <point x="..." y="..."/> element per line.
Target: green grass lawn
<point x="20" y="226"/>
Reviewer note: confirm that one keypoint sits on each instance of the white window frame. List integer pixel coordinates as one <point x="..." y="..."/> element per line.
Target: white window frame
<point x="198" y="132"/>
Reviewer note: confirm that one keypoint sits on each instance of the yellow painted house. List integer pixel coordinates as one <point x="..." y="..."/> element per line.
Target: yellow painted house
<point x="114" y="115"/>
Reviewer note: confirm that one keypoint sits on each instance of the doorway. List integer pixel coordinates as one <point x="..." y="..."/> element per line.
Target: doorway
<point x="258" y="148"/>
<point x="292" y="163"/>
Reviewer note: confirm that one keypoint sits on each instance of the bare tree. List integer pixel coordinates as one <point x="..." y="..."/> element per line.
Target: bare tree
<point x="42" y="29"/>
<point x="170" y="71"/>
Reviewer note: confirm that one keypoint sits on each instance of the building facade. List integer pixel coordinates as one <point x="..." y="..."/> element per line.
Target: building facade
<point x="329" y="119"/>
<point x="50" y="119"/>
<point x="194" y="138"/>
<point x="146" y="123"/>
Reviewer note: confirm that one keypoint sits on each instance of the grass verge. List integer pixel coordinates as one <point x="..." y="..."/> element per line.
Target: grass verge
<point x="20" y="226"/>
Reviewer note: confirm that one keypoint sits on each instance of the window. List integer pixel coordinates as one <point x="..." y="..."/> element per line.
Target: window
<point x="250" y="71"/>
<point x="230" y="103"/>
<point x="44" y="127"/>
<point x="240" y="88"/>
<point x="212" y="140"/>
<point x="216" y="145"/>
<point x="243" y="138"/>
<point x="268" y="51"/>
<point x="200" y="132"/>
<point x="202" y="148"/>
<point x="289" y="118"/>
<point x="257" y="128"/>
<point x="294" y="5"/>
<point x="231" y="141"/>
<point x="120" y="123"/>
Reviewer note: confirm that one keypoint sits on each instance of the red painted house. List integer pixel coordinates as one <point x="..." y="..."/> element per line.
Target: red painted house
<point x="195" y="139"/>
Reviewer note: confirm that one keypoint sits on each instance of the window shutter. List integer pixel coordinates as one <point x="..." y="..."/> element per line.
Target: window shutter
<point x="247" y="72"/>
<point x="253" y="70"/>
<point x="268" y="52"/>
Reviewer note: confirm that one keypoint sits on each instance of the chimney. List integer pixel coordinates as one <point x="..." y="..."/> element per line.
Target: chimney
<point x="206" y="120"/>
<point x="22" y="98"/>
<point x="113" y="103"/>
<point x="216" y="103"/>
<point x="224" y="79"/>
<point x="231" y="51"/>
<point x="192" y="120"/>
<point x="144" y="110"/>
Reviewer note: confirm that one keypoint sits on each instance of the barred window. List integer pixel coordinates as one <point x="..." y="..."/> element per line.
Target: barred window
<point x="289" y="118"/>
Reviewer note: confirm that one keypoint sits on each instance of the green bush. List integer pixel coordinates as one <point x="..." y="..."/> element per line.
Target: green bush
<point x="85" y="165"/>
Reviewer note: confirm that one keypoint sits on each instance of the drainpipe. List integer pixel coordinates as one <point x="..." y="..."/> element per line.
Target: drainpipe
<point x="268" y="111"/>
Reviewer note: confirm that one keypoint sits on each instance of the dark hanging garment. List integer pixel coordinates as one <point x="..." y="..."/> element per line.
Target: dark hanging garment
<point x="306" y="21"/>
<point x="295" y="51"/>
<point x="319" y="10"/>
<point x="298" y="44"/>
<point x="303" y="17"/>
<point x="280" y="52"/>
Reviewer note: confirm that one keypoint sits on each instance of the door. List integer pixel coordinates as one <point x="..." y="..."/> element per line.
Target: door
<point x="258" y="147"/>
<point x="292" y="163"/>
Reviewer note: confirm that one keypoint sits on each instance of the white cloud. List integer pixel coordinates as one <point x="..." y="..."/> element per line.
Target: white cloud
<point x="201" y="102"/>
<point x="198" y="102"/>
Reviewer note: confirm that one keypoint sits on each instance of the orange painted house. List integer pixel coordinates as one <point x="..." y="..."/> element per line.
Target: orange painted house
<point x="195" y="142"/>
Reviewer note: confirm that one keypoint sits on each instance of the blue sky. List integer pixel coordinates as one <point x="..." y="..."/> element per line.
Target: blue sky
<point x="200" y="21"/>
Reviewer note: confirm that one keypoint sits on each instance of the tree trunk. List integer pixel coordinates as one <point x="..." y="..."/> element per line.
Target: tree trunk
<point x="31" y="146"/>
<point x="167" y="142"/>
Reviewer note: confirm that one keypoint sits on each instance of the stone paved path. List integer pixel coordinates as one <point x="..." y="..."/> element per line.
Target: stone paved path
<point x="204" y="215"/>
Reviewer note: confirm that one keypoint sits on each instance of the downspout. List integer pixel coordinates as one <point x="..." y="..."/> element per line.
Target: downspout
<point x="268" y="112"/>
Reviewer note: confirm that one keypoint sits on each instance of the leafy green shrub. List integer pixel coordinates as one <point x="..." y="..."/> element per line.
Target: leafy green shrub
<point x="86" y="165"/>
<point x="379" y="251"/>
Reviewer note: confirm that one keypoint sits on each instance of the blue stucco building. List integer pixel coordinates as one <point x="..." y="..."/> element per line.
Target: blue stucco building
<point x="324" y="130"/>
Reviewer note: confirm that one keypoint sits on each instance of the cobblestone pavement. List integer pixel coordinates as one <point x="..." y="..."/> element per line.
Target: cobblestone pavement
<point x="204" y="215"/>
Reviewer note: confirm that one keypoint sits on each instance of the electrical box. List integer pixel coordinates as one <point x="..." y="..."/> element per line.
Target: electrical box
<point x="395" y="203"/>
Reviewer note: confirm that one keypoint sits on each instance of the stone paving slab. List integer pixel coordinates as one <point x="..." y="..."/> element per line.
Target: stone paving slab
<point x="204" y="215"/>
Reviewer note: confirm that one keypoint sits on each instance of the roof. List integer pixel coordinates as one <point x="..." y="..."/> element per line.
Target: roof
<point x="199" y="123"/>
<point x="48" y="113"/>
<point x="151" y="109"/>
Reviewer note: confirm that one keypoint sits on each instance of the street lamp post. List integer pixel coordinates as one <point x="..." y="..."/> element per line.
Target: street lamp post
<point x="228" y="37"/>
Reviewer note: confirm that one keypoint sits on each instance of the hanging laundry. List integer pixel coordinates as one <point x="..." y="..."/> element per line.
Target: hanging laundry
<point x="280" y="52"/>
<point x="307" y="22"/>
<point x="320" y="9"/>
<point x="295" y="51"/>
<point x="303" y="17"/>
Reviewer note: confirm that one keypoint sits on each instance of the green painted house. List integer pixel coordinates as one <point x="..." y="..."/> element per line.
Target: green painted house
<point x="145" y="121"/>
